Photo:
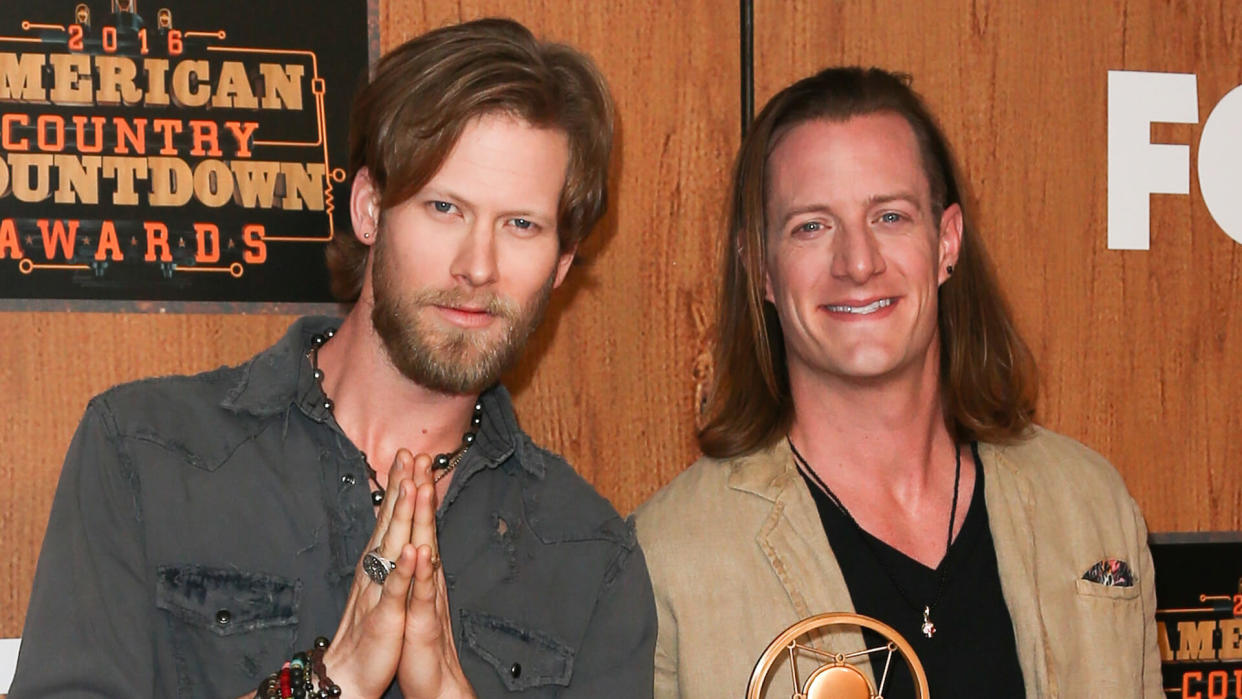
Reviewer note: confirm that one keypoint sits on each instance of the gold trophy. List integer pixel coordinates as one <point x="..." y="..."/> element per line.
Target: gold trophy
<point x="837" y="676"/>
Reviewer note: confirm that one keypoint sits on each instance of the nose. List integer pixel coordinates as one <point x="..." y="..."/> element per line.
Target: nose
<point x="474" y="264"/>
<point x="856" y="253"/>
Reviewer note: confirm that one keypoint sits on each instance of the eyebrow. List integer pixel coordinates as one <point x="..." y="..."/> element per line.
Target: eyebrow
<point x="441" y="193"/>
<point x="873" y="200"/>
<point x="905" y="196"/>
<point x="806" y="209"/>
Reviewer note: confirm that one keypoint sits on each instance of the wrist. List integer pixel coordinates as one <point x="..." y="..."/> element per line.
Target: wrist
<point x="338" y="669"/>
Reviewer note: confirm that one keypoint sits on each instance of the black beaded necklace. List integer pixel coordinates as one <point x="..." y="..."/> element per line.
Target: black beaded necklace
<point x="442" y="465"/>
<point x="928" y="628"/>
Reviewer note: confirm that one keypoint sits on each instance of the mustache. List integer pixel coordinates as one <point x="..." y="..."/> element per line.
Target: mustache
<point x="490" y="303"/>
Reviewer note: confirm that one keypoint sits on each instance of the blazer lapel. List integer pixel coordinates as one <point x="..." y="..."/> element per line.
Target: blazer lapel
<point x="1008" y="498"/>
<point x="793" y="540"/>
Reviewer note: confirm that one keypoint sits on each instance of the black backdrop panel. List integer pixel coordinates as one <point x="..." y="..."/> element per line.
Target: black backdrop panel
<point x="1199" y="613"/>
<point x="175" y="151"/>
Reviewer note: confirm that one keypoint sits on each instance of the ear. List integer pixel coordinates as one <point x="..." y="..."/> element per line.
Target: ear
<point x="364" y="208"/>
<point x="950" y="240"/>
<point x="563" y="263"/>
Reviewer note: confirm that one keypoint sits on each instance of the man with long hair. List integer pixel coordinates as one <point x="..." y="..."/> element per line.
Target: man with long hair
<point x="266" y="529"/>
<point x="869" y="442"/>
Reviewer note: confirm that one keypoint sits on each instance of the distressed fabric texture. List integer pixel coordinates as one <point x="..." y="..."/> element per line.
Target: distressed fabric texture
<point x="207" y="527"/>
<point x="749" y="527"/>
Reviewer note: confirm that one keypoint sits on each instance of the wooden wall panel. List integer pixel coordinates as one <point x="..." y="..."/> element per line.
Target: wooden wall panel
<point x="609" y="380"/>
<point x="1140" y="350"/>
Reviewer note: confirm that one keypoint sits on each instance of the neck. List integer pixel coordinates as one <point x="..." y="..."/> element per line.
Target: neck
<point x="377" y="407"/>
<point x="883" y="449"/>
<point x="889" y="431"/>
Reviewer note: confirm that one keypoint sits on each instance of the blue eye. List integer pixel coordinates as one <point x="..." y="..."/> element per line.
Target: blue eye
<point x="890" y="217"/>
<point x="522" y="223"/>
<point x="442" y="206"/>
<point x="809" y="227"/>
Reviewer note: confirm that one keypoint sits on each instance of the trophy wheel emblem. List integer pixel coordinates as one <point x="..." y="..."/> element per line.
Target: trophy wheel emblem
<point x="837" y="675"/>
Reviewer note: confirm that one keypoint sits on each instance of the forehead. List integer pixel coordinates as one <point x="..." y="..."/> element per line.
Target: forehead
<point x="866" y="156"/>
<point x="499" y="156"/>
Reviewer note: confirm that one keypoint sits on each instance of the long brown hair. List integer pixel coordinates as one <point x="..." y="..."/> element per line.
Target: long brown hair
<point x="407" y="118"/>
<point x="987" y="373"/>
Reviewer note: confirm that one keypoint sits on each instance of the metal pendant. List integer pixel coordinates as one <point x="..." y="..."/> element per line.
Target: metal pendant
<point x="929" y="629"/>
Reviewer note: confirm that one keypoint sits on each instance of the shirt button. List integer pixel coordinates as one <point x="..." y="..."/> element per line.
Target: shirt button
<point x="516" y="670"/>
<point x="223" y="617"/>
<point x="348" y="479"/>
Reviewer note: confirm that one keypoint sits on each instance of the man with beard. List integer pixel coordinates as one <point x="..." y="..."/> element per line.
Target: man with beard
<point x="266" y="530"/>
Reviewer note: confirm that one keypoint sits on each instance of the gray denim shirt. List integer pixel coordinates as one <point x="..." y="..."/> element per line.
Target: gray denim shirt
<point x="207" y="527"/>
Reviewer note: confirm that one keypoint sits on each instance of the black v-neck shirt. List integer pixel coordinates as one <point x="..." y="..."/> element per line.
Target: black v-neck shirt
<point x="973" y="652"/>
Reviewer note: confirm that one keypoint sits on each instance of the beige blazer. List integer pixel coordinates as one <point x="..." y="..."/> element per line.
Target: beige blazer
<point x="737" y="553"/>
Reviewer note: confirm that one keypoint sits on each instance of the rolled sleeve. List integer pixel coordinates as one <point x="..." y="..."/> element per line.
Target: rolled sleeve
<point x="88" y="627"/>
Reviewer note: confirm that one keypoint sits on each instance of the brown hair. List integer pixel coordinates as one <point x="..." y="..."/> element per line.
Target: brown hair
<point x="987" y="374"/>
<point x="407" y="119"/>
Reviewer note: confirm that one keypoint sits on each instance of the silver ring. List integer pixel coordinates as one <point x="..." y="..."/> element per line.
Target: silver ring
<point x="376" y="566"/>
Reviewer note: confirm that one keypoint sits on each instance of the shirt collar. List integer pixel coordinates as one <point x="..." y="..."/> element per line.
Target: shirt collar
<point x="281" y="375"/>
<point x="498" y="438"/>
<point x="765" y="472"/>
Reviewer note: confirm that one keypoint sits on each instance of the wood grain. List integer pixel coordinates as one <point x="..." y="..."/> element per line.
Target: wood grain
<point x="1139" y="350"/>
<point x="609" y="380"/>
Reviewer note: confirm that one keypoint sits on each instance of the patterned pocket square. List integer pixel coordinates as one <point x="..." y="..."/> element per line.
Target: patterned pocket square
<point x="1110" y="571"/>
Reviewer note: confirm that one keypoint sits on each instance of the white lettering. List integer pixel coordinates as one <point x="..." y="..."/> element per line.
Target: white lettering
<point x="1220" y="163"/>
<point x="1137" y="167"/>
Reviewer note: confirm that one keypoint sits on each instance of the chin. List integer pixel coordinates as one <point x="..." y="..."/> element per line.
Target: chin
<point x="867" y="375"/>
<point x="868" y="366"/>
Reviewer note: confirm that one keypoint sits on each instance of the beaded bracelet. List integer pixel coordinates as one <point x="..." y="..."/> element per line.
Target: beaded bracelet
<point x="296" y="679"/>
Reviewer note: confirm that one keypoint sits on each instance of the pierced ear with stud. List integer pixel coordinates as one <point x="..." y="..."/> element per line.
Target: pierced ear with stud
<point x="364" y="207"/>
<point x="371" y="216"/>
<point x="949" y="270"/>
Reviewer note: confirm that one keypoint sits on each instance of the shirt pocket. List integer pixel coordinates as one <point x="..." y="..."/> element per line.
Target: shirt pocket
<point x="1095" y="589"/>
<point x="525" y="660"/>
<point x="1105" y="645"/>
<point x="229" y="628"/>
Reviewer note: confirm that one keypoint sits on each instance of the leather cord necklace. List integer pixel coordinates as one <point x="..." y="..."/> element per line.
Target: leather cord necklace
<point x="442" y="465"/>
<point x="928" y="628"/>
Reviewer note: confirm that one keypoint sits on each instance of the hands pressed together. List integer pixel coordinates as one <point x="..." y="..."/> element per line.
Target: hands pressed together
<point x="401" y="628"/>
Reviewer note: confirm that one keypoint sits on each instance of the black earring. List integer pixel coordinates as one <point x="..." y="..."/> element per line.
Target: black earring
<point x="949" y="269"/>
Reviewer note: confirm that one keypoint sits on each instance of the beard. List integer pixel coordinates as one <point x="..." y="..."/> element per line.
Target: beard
<point x="440" y="356"/>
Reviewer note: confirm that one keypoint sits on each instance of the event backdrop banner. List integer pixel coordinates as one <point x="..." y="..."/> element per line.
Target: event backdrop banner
<point x="1199" y="613"/>
<point x="174" y="150"/>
